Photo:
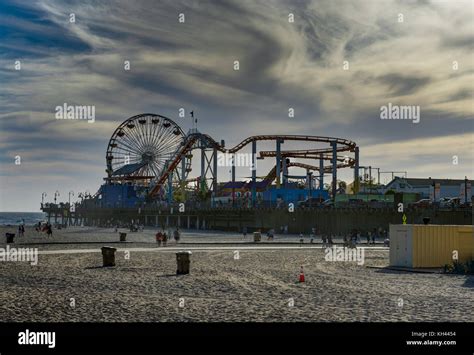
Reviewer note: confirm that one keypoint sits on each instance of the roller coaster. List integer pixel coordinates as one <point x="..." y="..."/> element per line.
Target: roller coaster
<point x="152" y="154"/>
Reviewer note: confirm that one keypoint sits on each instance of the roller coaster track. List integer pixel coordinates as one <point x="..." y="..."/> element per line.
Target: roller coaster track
<point x="188" y="145"/>
<point x="309" y="154"/>
<point x="327" y="169"/>
<point x="306" y="153"/>
<point x="343" y="145"/>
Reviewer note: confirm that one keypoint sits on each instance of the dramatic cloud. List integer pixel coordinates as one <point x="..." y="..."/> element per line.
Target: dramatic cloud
<point x="424" y="60"/>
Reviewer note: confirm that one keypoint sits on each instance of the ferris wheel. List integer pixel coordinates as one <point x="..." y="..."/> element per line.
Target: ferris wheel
<point x="142" y="147"/>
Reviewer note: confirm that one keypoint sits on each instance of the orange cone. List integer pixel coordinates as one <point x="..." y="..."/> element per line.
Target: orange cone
<point x="301" y="275"/>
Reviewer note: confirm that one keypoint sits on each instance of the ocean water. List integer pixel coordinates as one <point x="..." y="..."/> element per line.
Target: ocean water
<point x="15" y="218"/>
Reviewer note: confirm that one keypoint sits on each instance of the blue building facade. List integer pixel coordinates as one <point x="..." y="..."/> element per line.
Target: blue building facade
<point x="118" y="196"/>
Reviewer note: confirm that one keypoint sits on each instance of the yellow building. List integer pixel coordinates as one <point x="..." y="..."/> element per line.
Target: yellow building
<point x="413" y="245"/>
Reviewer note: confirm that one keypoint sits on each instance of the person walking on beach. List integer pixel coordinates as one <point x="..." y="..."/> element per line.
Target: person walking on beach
<point x="159" y="238"/>
<point x="49" y="230"/>
<point x="271" y="234"/>
<point x="312" y="235"/>
<point x="176" y="235"/>
<point x="354" y="238"/>
<point x="21" y="230"/>
<point x="330" y="240"/>
<point x="165" y="238"/>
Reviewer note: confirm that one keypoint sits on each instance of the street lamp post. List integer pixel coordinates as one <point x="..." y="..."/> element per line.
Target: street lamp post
<point x="56" y="194"/>
<point x="465" y="192"/>
<point x="70" y="209"/>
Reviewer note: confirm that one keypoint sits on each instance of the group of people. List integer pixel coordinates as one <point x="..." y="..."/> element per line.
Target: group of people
<point x="47" y="228"/>
<point x="370" y="236"/>
<point x="327" y="240"/>
<point x="162" y="237"/>
<point x="135" y="227"/>
<point x="350" y="239"/>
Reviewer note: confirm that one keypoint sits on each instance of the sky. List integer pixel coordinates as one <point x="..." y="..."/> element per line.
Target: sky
<point x="336" y="64"/>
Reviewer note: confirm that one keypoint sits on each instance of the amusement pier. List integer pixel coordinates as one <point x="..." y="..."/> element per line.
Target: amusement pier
<point x="149" y="182"/>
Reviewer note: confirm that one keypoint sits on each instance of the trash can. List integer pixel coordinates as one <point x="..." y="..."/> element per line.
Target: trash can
<point x="10" y="237"/>
<point x="108" y="256"/>
<point x="183" y="261"/>
<point x="123" y="237"/>
<point x="257" y="236"/>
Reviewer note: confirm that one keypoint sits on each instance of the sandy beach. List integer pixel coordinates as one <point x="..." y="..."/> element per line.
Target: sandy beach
<point x="261" y="285"/>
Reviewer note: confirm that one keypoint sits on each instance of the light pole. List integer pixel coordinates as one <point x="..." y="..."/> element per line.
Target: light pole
<point x="310" y="182"/>
<point x="43" y="195"/>
<point x="70" y="210"/>
<point x="56" y="194"/>
<point x="465" y="192"/>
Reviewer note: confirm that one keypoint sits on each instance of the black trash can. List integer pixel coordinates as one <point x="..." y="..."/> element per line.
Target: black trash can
<point x="10" y="237"/>
<point x="123" y="237"/>
<point x="183" y="261"/>
<point x="426" y="220"/>
<point x="108" y="256"/>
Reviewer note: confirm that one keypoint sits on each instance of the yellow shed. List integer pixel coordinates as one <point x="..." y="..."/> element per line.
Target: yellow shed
<point x="418" y="245"/>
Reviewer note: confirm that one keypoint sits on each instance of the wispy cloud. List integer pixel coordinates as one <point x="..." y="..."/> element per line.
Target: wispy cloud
<point x="282" y="65"/>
